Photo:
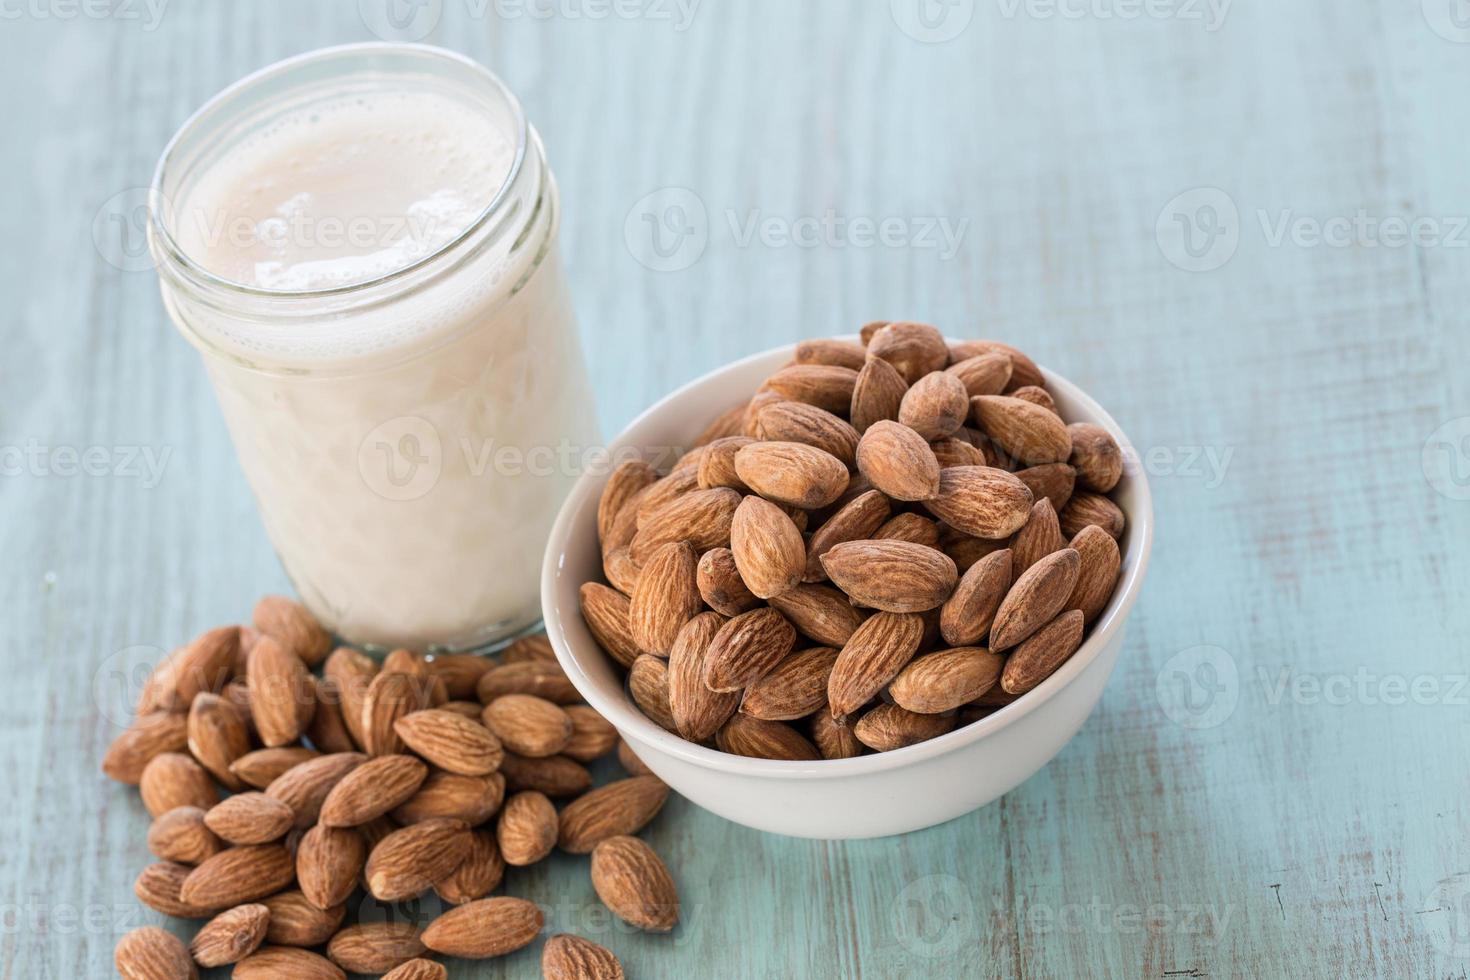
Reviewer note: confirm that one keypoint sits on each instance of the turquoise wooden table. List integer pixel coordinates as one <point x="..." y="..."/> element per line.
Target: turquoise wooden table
<point x="1241" y="226"/>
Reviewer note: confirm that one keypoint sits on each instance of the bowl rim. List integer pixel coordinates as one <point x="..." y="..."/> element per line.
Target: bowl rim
<point x="631" y="722"/>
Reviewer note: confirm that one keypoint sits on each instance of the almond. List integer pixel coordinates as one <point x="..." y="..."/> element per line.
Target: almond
<point x="621" y="487"/>
<point x="751" y="428"/>
<point x="375" y="947"/>
<point x="964" y="549"/>
<point x="935" y="406"/>
<point x="635" y="884"/>
<point x="431" y="691"/>
<point x="888" y="727"/>
<point x="390" y="696"/>
<point x="473" y="799"/>
<point x="418" y="969"/>
<point x="294" y="921"/>
<point x="870" y="328"/>
<point x="697" y="711"/>
<point x="410" y="860"/>
<point x="607" y="616"/>
<point x="630" y="762"/>
<point x="592" y="735"/>
<point x="1026" y="431"/>
<point x="160" y="887"/>
<point x="878" y="394"/>
<point x="230" y="936"/>
<point x="478" y="875"/>
<point x="826" y="386"/>
<point x="281" y="692"/>
<point x="461" y="672"/>
<point x="945" y="679"/>
<point x="239" y="875"/>
<point x="528" y="725"/>
<point x="666" y="599"/>
<point x="527" y="829"/>
<point x="148" y="736"/>
<point x="701" y="518"/>
<point x="351" y="674"/>
<point x="841" y="353"/>
<point x="857" y="519"/>
<point x="1041" y="536"/>
<point x="909" y="527"/>
<point x="1092" y="508"/>
<point x="1036" y="395"/>
<point x="150" y="953"/>
<point x="250" y="818"/>
<point x="623" y="806"/>
<point x="542" y="678"/>
<point x="451" y="742"/>
<point x="769" y="551"/>
<point x="794" y="688"/>
<point x="956" y="452"/>
<point x="812" y="426"/>
<point x="983" y="374"/>
<point x="745" y="648"/>
<point x="1054" y="481"/>
<point x="967" y="614"/>
<point x="757" y="738"/>
<point x="879" y="648"/>
<point x="180" y="835"/>
<point x="720" y="584"/>
<point x="554" y="775"/>
<point x="621" y="571"/>
<point x="792" y="473"/>
<point x="898" y="461"/>
<point x="915" y="349"/>
<point x="204" y="664"/>
<point x="305" y="786"/>
<point x="1042" y="653"/>
<point x="568" y="957"/>
<point x="1023" y="370"/>
<point x="1037" y="596"/>
<point x="648" y="683"/>
<point x="276" y="962"/>
<point x="328" y="729"/>
<point x="820" y="613"/>
<point x="717" y="466"/>
<point x="1098" y="575"/>
<point x="173" y="779"/>
<point x="728" y="423"/>
<point x="217" y="736"/>
<point x="328" y="863"/>
<point x="981" y="501"/>
<point x="833" y="739"/>
<point x="290" y="624"/>
<point x="485" y="928"/>
<point x="372" y="789"/>
<point x="895" y="576"/>
<point x="659" y="495"/>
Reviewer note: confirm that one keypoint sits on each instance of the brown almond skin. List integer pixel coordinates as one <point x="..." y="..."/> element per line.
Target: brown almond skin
<point x="568" y="957"/>
<point x="635" y="884"/>
<point x="915" y="349"/>
<point x="717" y="465"/>
<point x="769" y="551"/>
<point x="913" y="528"/>
<point x="294" y="921"/>
<point x="1036" y="395"/>
<point x="1026" y="431"/>
<point x="895" y="576"/>
<point x="701" y="517"/>
<point x="697" y="711"/>
<point x="1092" y="508"/>
<point x="898" y="461"/>
<point x="888" y="727"/>
<point x="1042" y="653"/>
<point x="250" y="818"/>
<point x="304" y="787"/>
<point x="180" y="835"/>
<point x="148" y="736"/>
<point x="983" y="374"/>
<point x="622" y="485"/>
<point x="966" y="615"/>
<point x="661" y="494"/>
<point x="372" y="789"/>
<point x="756" y="738"/>
<point x="160" y="887"/>
<point x="1054" y="481"/>
<point x="408" y="861"/>
<point x="1098" y="576"/>
<point x="1096" y="457"/>
<point x="479" y="874"/>
<point x="956" y="452"/>
<point x="473" y="799"/>
<point x="485" y="928"/>
<point x="1023" y="370"/>
<point x="790" y="421"/>
<point x="149" y="953"/>
<point x="294" y="627"/>
<point x="281" y="693"/>
<point x="239" y="875"/>
<point x="278" y="962"/>
<point x="1041" y="536"/>
<point x="173" y="779"/>
<point x="943" y="680"/>
<point x="351" y="673"/>
<point x="648" y="683"/>
<point x="834" y="739"/>
<point x="328" y="729"/>
<point x="855" y="520"/>
<point x="666" y="599"/>
<point x="418" y="969"/>
<point x="328" y="863"/>
<point x="230" y="936"/>
<point x="826" y="386"/>
<point x="794" y="688"/>
<point x="542" y="678"/>
<point x="935" y="406"/>
<point x="630" y="762"/>
<point x="624" y="806"/>
<point x="981" y="501"/>
<point x="880" y="648"/>
<point x="593" y="736"/>
<point x="451" y="742"/>
<point x="720" y="584"/>
<point x="1035" y="598"/>
<point x="878" y="394"/>
<point x="461" y="672"/>
<point x="745" y="648"/>
<point x="792" y="473"/>
<point x="218" y="736"/>
<point x="607" y="614"/>
<point x="820" y="613"/>
<point x="555" y="775"/>
<point x="203" y="665"/>
<point x="375" y="947"/>
<point x="528" y="725"/>
<point x="727" y="423"/>
<point x="841" y="353"/>
<point x="527" y="829"/>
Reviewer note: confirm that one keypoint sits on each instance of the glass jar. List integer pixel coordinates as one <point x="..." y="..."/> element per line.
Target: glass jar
<point x="409" y="437"/>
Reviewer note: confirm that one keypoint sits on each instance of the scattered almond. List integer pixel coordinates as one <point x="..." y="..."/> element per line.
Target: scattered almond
<point x="451" y="742"/>
<point x="328" y="863"/>
<point x="375" y="947"/>
<point x="634" y="883"/>
<point x="981" y="501"/>
<point x="250" y="818"/>
<point x="620" y="807"/>
<point x="279" y="962"/>
<point x="149" y="953"/>
<point x="792" y="473"/>
<point x="230" y="936"/>
<point x="527" y="829"/>
<point x="408" y="861"/>
<point x="720" y="584"/>
<point x="568" y="957"/>
<point x="485" y="928"/>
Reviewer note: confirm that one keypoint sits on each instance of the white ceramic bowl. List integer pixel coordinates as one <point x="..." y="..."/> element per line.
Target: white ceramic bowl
<point x="873" y="795"/>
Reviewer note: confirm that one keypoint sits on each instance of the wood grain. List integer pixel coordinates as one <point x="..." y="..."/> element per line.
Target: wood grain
<point x="1294" y="837"/>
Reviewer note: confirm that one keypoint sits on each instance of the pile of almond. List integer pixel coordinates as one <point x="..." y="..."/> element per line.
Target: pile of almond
<point x="890" y="539"/>
<point x="363" y="788"/>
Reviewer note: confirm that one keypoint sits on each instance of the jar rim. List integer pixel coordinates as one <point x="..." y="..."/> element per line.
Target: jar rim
<point x="192" y="270"/>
